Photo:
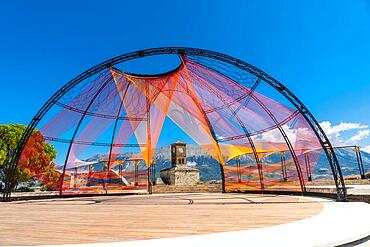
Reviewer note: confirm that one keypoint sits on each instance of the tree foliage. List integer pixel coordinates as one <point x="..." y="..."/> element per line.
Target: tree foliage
<point x="36" y="159"/>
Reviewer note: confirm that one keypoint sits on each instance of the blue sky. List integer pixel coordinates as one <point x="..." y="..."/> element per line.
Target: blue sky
<point x="318" y="49"/>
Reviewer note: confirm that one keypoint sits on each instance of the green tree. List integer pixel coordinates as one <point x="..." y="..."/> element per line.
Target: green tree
<point x="36" y="159"/>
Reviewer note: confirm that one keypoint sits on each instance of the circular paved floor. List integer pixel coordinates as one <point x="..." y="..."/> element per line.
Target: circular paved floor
<point x="122" y="218"/>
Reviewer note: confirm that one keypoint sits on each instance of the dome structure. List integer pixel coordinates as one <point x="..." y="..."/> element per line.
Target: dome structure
<point x="107" y="122"/>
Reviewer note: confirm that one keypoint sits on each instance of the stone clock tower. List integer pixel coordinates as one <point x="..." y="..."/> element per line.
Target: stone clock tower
<point x="178" y="154"/>
<point x="179" y="173"/>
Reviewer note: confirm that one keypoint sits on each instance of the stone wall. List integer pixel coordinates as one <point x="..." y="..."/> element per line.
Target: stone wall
<point x="186" y="177"/>
<point x="167" y="176"/>
<point x="180" y="175"/>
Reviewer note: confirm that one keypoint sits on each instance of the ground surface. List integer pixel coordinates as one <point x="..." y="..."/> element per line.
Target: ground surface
<point x="121" y="218"/>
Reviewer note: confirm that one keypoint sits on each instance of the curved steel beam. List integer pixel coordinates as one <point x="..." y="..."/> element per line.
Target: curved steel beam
<point x="246" y="132"/>
<point x="75" y="133"/>
<point x="249" y="95"/>
<point x="287" y="141"/>
<point x="323" y="139"/>
<point x="115" y="124"/>
<point x="320" y="134"/>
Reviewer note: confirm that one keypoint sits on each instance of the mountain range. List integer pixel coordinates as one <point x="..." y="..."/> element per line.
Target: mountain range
<point x="210" y="170"/>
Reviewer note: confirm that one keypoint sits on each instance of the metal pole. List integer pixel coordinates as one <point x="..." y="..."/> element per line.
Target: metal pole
<point x="149" y="183"/>
<point x="104" y="179"/>
<point x="223" y="190"/>
<point x="308" y="168"/>
<point x="153" y="165"/>
<point x="89" y="175"/>
<point x="75" y="178"/>
<point x="120" y="170"/>
<point x="359" y="162"/>
<point x="283" y="167"/>
<point x="136" y="179"/>
<point x="238" y="169"/>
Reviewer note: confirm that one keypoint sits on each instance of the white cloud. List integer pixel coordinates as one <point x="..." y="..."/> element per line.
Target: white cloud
<point x="360" y="135"/>
<point x="334" y="132"/>
<point x="341" y="127"/>
<point x="366" y="149"/>
<point x="276" y="136"/>
<point x="271" y="136"/>
<point x="339" y="134"/>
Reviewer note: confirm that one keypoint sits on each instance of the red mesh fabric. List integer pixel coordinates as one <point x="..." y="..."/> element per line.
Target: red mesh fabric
<point x="117" y="111"/>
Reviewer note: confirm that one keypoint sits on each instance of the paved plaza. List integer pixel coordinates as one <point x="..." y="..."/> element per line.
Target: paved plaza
<point x="123" y="218"/>
<point x="143" y="220"/>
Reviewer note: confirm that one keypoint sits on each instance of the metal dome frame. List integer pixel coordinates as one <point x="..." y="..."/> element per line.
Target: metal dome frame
<point x="13" y="158"/>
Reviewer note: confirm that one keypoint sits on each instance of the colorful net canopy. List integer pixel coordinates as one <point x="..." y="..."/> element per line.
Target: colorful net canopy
<point x="106" y="129"/>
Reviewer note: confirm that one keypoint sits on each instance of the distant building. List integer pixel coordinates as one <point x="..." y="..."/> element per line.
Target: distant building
<point x="179" y="173"/>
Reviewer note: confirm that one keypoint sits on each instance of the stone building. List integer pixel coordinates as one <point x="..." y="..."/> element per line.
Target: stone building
<point x="179" y="173"/>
